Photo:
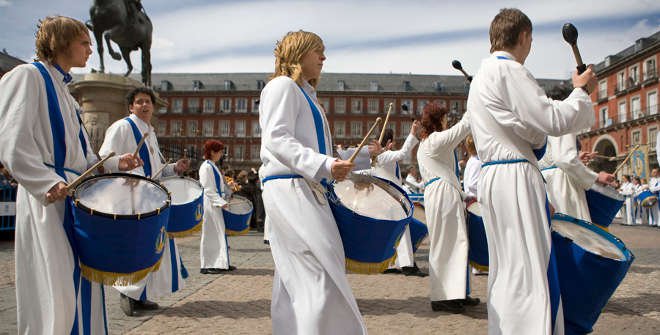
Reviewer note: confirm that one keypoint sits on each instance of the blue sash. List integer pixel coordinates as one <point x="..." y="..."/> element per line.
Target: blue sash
<point x="397" y="171"/>
<point x="217" y="178"/>
<point x="431" y="181"/>
<point x="318" y="123"/>
<point x="144" y="151"/>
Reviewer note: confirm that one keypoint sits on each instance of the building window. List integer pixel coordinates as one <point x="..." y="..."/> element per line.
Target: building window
<point x="636" y="137"/>
<point x="621" y="81"/>
<point x="240" y="128"/>
<point x="238" y="152"/>
<point x="392" y="125"/>
<point x="407" y="107"/>
<point x="256" y="129"/>
<point x="325" y="103"/>
<point x="652" y="103"/>
<point x="602" y="89"/>
<point x="622" y="111"/>
<point x="162" y="110"/>
<point x="405" y="127"/>
<point x="356" y="128"/>
<point x="193" y="105"/>
<point x="340" y="129"/>
<point x="633" y="75"/>
<point x="225" y="105"/>
<point x="422" y="103"/>
<point x="175" y="127"/>
<point x="372" y="106"/>
<point x="177" y="105"/>
<point x="241" y="105"/>
<point x="649" y="69"/>
<point x="207" y="128"/>
<point x="603" y="117"/>
<point x="635" y="108"/>
<point x="224" y="128"/>
<point x="386" y="105"/>
<point x="192" y="128"/>
<point x="209" y="105"/>
<point x="161" y="128"/>
<point x="356" y="105"/>
<point x="340" y="105"/>
<point x="254" y="152"/>
<point x="255" y="105"/>
<point x="653" y="133"/>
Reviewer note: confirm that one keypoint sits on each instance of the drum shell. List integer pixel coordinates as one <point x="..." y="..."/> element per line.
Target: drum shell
<point x="237" y="223"/>
<point x="586" y="280"/>
<point x="647" y="198"/>
<point x="478" y="251"/>
<point x="602" y="207"/>
<point x="418" y="231"/>
<point x="186" y="218"/>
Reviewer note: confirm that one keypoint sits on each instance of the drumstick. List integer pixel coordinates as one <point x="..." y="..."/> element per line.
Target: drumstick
<point x="84" y="175"/>
<point x="364" y="140"/>
<point x="626" y="160"/>
<point x="387" y="118"/>
<point x="141" y="143"/>
<point x="161" y="169"/>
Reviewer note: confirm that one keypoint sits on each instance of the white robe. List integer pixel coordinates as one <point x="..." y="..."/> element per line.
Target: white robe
<point x="567" y="178"/>
<point x="471" y="176"/>
<point x="628" y="191"/>
<point x="510" y="117"/>
<point x="386" y="168"/>
<point x="445" y="212"/>
<point x="45" y="294"/>
<point x="213" y="251"/>
<point x="654" y="212"/>
<point x="311" y="294"/>
<point x="119" y="138"/>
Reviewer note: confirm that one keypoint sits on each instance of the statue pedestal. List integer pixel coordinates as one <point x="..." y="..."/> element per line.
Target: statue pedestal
<point x="102" y="97"/>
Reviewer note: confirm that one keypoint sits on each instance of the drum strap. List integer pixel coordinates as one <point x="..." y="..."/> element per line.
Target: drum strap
<point x="318" y="123"/>
<point x="217" y="178"/>
<point x="280" y="176"/>
<point x="144" y="151"/>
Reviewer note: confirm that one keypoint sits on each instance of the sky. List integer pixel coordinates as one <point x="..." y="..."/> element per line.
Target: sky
<point x="361" y="36"/>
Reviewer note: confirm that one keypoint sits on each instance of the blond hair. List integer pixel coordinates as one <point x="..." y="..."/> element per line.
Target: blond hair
<point x="290" y="51"/>
<point x="55" y="34"/>
<point x="506" y="28"/>
<point x="469" y="146"/>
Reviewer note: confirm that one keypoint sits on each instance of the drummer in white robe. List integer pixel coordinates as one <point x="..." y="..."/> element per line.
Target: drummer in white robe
<point x="654" y="211"/>
<point x="50" y="293"/>
<point x="627" y="189"/>
<point x="471" y="180"/>
<point x="213" y="248"/>
<point x="123" y="136"/>
<point x="445" y="210"/>
<point x="511" y="119"/>
<point x="386" y="166"/>
<point x="311" y="294"/>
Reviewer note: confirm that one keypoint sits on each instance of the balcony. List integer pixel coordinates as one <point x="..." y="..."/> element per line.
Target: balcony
<point x="650" y="77"/>
<point x="633" y="84"/>
<point x="620" y="90"/>
<point x="602" y="95"/>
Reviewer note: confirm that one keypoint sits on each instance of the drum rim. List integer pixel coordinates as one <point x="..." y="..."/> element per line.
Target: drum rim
<point x="331" y="190"/>
<point x="91" y="211"/>
<point x="201" y="194"/>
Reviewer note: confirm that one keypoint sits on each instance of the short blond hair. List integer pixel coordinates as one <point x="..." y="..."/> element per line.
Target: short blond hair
<point x="290" y="51"/>
<point x="55" y="34"/>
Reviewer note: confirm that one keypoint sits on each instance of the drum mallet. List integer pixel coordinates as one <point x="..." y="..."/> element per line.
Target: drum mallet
<point x="570" y="35"/>
<point x="387" y="118"/>
<point x="137" y="151"/>
<point x="84" y="175"/>
<point x="364" y="140"/>
<point x="458" y="66"/>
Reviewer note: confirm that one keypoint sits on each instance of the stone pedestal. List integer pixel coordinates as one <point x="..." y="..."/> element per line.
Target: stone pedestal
<point x="102" y="97"/>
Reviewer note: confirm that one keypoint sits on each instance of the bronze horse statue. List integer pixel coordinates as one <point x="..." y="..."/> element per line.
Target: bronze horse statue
<point x="126" y="23"/>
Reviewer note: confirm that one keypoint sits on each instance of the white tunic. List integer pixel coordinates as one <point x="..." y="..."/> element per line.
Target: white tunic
<point x="45" y="294"/>
<point x="627" y="189"/>
<point x="445" y="212"/>
<point x="471" y="176"/>
<point x="511" y="116"/>
<point x="567" y="178"/>
<point x="387" y="167"/>
<point x="119" y="138"/>
<point x="311" y="294"/>
<point x="654" y="212"/>
<point x="213" y="251"/>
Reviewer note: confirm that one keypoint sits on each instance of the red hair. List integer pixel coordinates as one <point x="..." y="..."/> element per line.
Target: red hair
<point x="212" y="146"/>
<point x="432" y="119"/>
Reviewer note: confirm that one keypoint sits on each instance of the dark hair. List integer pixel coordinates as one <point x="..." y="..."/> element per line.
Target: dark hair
<point x="212" y="145"/>
<point x="432" y="119"/>
<point x="506" y="27"/>
<point x="388" y="135"/>
<point x="130" y="97"/>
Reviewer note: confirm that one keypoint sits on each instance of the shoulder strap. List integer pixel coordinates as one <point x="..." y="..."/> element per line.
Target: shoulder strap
<point x="144" y="151"/>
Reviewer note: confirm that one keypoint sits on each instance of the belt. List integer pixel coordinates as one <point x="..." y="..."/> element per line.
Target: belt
<point x="505" y="161"/>
<point x="551" y="167"/>
<point x="281" y="176"/>
<point x="432" y="181"/>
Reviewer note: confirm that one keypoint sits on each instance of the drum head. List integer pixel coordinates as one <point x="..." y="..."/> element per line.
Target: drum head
<point x="183" y="189"/>
<point x="121" y="194"/>
<point x="239" y="205"/>
<point x="475" y="208"/>
<point x="373" y="197"/>
<point x="588" y="239"/>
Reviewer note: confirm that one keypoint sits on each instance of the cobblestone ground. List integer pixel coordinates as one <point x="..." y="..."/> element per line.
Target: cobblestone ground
<point x="239" y="302"/>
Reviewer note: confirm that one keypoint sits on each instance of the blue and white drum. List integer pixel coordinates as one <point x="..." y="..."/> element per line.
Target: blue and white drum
<point x="591" y="264"/>
<point x="187" y="209"/>
<point x="237" y="215"/>
<point x="371" y="214"/>
<point x="478" y="252"/>
<point x="604" y="202"/>
<point x="120" y="227"/>
<point x="647" y="198"/>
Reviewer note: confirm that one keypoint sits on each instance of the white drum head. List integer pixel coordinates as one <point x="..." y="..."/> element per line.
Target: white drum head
<point x="121" y="195"/>
<point x="239" y="205"/>
<point x="183" y="190"/>
<point x="587" y="239"/>
<point x="372" y="197"/>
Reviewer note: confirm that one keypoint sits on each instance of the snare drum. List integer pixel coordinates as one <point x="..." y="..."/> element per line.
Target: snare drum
<point x="371" y="214"/>
<point x="591" y="263"/>
<point x="647" y="198"/>
<point x="237" y="215"/>
<point x="478" y="252"/>
<point x="604" y="202"/>
<point x="120" y="227"/>
<point x="187" y="205"/>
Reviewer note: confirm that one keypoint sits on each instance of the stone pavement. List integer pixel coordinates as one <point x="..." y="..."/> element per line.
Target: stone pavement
<point x="239" y="302"/>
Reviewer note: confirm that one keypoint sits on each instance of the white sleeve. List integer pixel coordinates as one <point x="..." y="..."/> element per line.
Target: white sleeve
<point x="449" y="139"/>
<point x="207" y="179"/>
<point x="397" y="155"/>
<point x="566" y="158"/>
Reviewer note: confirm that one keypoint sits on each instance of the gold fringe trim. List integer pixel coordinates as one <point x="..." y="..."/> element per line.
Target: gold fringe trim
<point x="196" y="229"/>
<point x="369" y="268"/>
<point x="479" y="267"/>
<point x="230" y="232"/>
<point x="116" y="278"/>
<point x="602" y="227"/>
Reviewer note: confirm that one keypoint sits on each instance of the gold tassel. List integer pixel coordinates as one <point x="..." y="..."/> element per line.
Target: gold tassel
<point x="369" y="268"/>
<point x="197" y="228"/>
<point x="116" y="278"/>
<point x="230" y="232"/>
<point x="601" y="227"/>
<point x="482" y="268"/>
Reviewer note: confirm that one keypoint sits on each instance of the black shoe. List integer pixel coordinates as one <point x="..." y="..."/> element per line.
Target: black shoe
<point x="126" y="304"/>
<point x="210" y="271"/>
<point x="230" y="268"/>
<point x="266" y="242"/>
<point x="392" y="271"/>
<point x="145" y="305"/>
<point x="452" y="306"/>
<point x="469" y="301"/>
<point x="413" y="271"/>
